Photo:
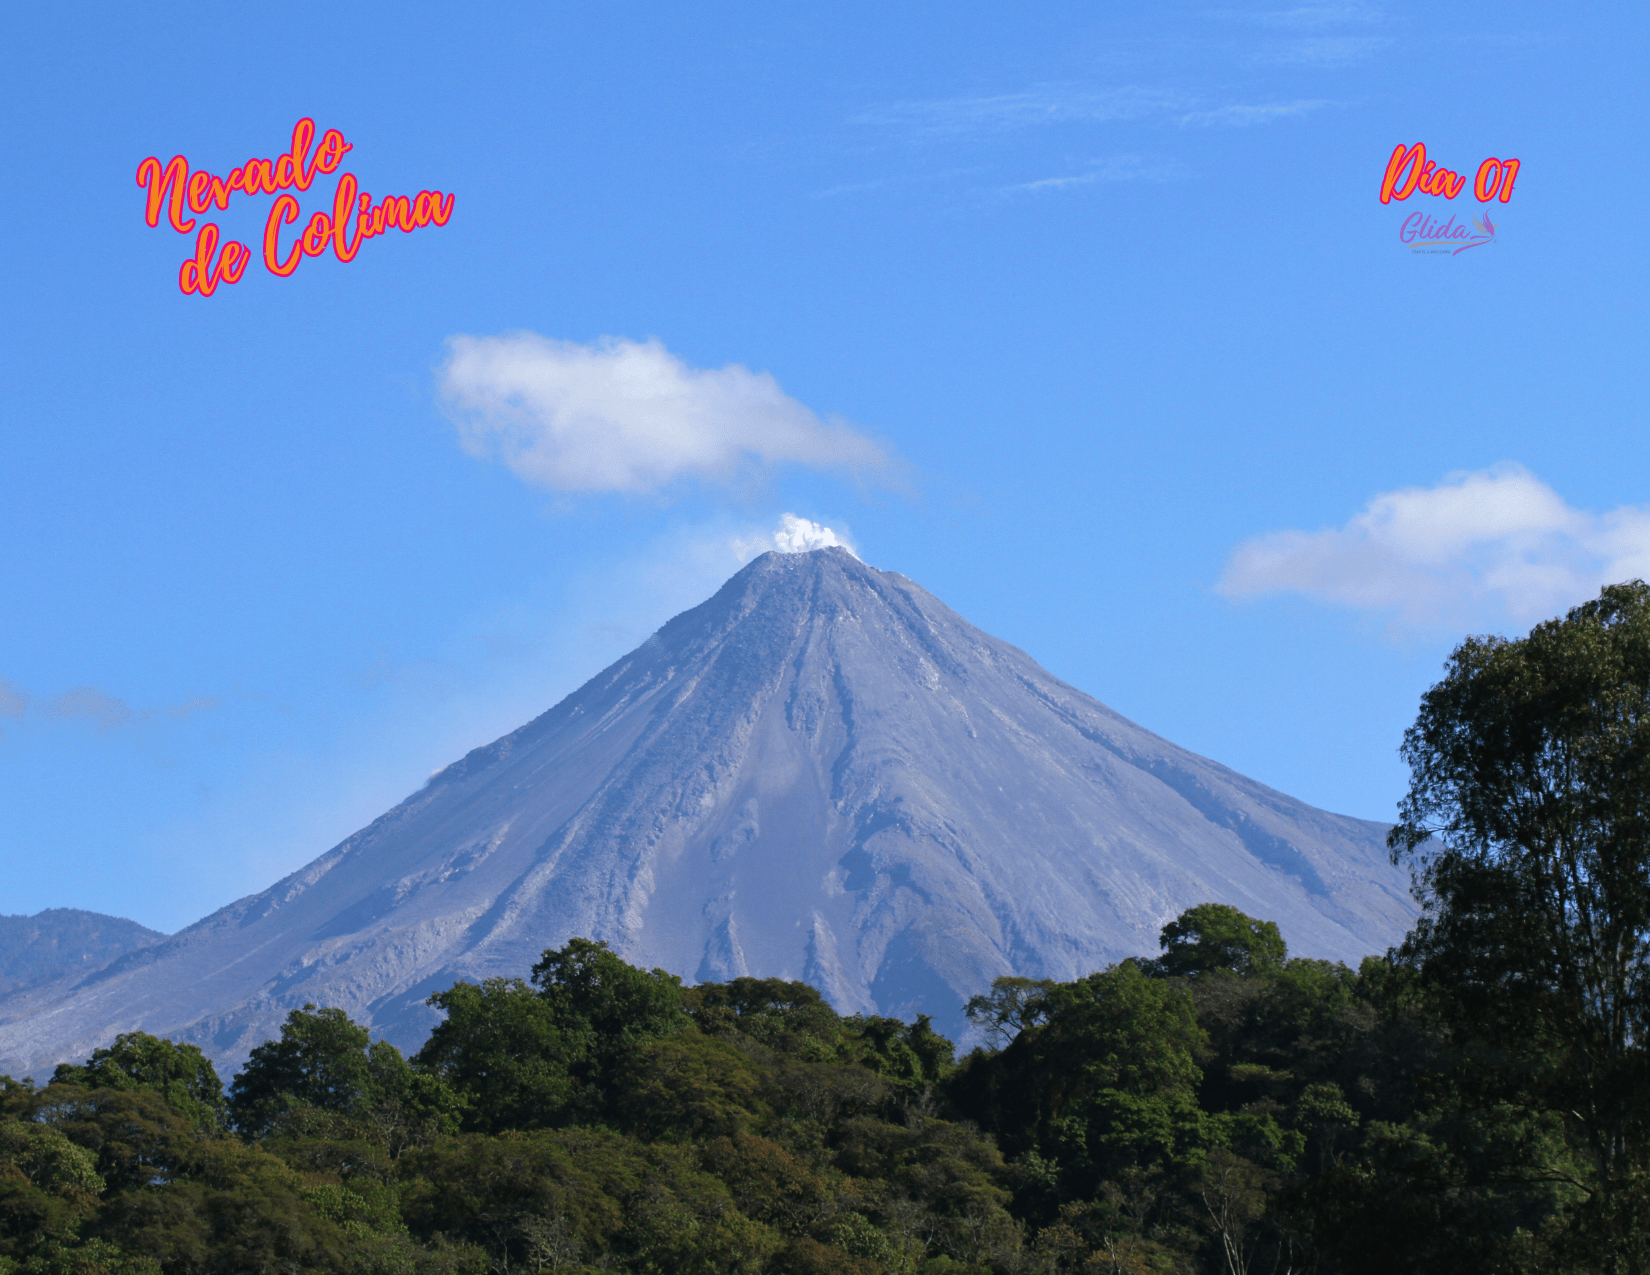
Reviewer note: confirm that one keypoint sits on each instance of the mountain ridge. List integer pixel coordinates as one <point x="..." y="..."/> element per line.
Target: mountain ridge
<point x="821" y="772"/>
<point x="60" y="943"/>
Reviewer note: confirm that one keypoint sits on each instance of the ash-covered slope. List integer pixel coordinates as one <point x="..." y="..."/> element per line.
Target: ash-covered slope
<point x="821" y="773"/>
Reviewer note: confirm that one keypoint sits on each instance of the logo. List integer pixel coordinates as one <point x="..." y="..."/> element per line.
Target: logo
<point x="1422" y="233"/>
<point x="350" y="218"/>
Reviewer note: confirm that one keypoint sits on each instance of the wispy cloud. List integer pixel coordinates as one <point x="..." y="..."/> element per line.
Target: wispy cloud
<point x="14" y="701"/>
<point x="1312" y="17"/>
<point x="629" y="416"/>
<point x="1324" y="50"/>
<point x="1001" y="112"/>
<point x="1480" y="547"/>
<point x="87" y="704"/>
<point x="1240" y="116"/>
<point x="1117" y="168"/>
<point x="957" y="118"/>
<point x="1315" y="35"/>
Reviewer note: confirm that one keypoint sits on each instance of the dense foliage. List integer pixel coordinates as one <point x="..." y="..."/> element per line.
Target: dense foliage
<point x="1528" y="818"/>
<point x="1294" y="1116"/>
<point x="1474" y="1101"/>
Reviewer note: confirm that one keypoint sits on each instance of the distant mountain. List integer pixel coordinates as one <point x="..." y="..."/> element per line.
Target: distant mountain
<point x="63" y="942"/>
<point x="820" y="773"/>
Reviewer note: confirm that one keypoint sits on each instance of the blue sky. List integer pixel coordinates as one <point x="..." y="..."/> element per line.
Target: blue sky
<point x="1087" y="318"/>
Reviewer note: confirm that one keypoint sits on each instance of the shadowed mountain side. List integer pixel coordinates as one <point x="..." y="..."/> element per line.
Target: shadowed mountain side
<point x="820" y="773"/>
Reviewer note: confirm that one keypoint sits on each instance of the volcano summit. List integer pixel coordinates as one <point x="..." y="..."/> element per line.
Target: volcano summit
<point x="821" y="773"/>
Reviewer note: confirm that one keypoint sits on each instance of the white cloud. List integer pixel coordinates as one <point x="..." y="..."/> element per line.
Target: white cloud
<point x="620" y="415"/>
<point x="793" y="535"/>
<point x="1492" y="544"/>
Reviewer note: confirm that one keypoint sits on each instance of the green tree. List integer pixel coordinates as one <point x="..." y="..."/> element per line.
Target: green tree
<point x="927" y="1186"/>
<point x="48" y="1186"/>
<point x="1108" y="1080"/>
<point x="537" y="1057"/>
<point x="1012" y="1005"/>
<point x="319" y="1061"/>
<point x="784" y="1015"/>
<point x="326" y="1063"/>
<point x="686" y="1087"/>
<point x="608" y="1198"/>
<point x="910" y="1055"/>
<point x="605" y="1007"/>
<point x="137" y="1060"/>
<point x="502" y="1047"/>
<point x="1527" y="823"/>
<point x="138" y="1138"/>
<point x="402" y="1105"/>
<point x="769" y="1182"/>
<point x="230" y="1208"/>
<point x="1216" y="938"/>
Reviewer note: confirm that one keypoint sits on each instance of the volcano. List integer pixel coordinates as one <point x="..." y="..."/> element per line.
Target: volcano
<point x="821" y="773"/>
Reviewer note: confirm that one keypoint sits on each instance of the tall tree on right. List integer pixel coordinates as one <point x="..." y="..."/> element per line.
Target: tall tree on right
<point x="1527" y="824"/>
